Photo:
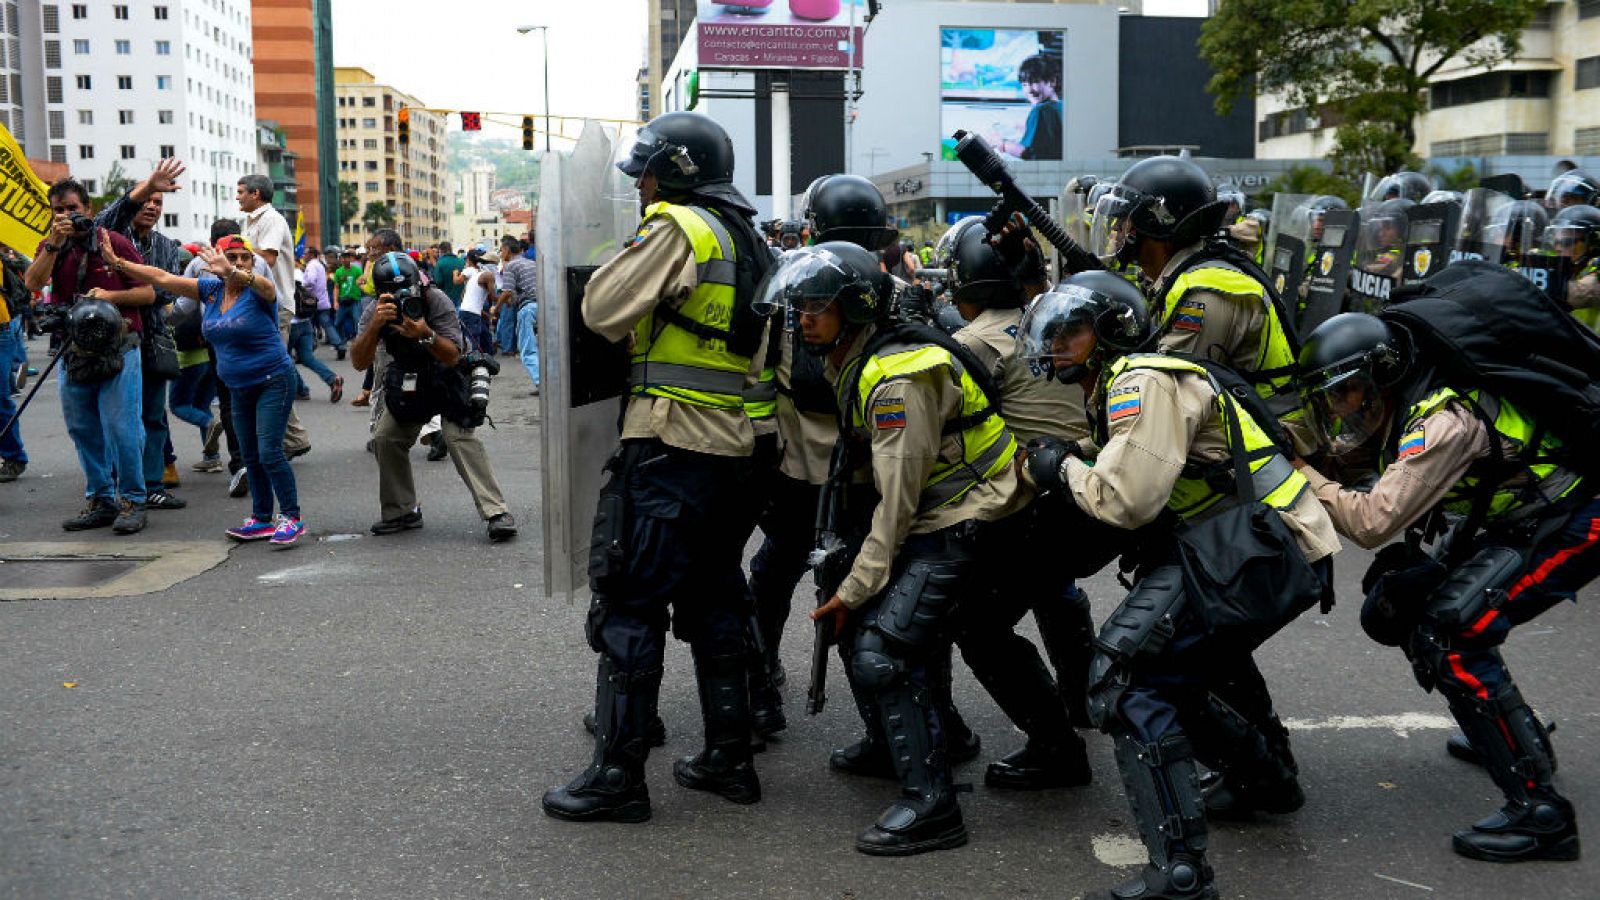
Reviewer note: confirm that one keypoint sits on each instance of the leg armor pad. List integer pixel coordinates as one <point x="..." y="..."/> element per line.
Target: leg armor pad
<point x="1139" y="629"/>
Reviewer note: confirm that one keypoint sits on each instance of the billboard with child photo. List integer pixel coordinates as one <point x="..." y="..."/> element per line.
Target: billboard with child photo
<point x="1005" y="84"/>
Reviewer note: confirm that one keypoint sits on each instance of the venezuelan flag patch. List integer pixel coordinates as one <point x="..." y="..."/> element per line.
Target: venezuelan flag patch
<point x="1188" y="316"/>
<point x="1123" y="403"/>
<point x="889" y="412"/>
<point x="1412" y="443"/>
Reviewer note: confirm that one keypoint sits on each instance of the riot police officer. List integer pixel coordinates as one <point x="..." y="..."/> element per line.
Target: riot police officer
<point x="1404" y="185"/>
<point x="1513" y="232"/>
<point x="1207" y="298"/>
<point x="1574" y="234"/>
<point x="667" y="529"/>
<point x="943" y="465"/>
<point x="1384" y="228"/>
<point x="990" y="293"/>
<point x="1572" y="188"/>
<point x="1525" y="541"/>
<point x="1175" y="446"/>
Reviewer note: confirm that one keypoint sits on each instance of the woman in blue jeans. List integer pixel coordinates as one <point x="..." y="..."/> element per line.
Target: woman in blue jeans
<point x="240" y="322"/>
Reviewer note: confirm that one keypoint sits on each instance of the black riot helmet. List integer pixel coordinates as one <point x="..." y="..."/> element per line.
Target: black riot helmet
<point x="1574" y="232"/>
<point x="848" y="208"/>
<point x="1163" y="198"/>
<point x="978" y="273"/>
<point x="395" y="272"/>
<point x="685" y="150"/>
<point x="1572" y="188"/>
<point x="1517" y="227"/>
<point x="95" y="326"/>
<point x="184" y="319"/>
<point x="1411" y="186"/>
<point x="1112" y="308"/>
<point x="1348" y="368"/>
<point x="812" y="279"/>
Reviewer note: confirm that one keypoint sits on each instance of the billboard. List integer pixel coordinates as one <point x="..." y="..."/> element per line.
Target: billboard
<point x="1005" y="84"/>
<point x="759" y="34"/>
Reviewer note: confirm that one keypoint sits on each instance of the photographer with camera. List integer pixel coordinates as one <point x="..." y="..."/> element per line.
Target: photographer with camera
<point x="101" y="377"/>
<point x="418" y="328"/>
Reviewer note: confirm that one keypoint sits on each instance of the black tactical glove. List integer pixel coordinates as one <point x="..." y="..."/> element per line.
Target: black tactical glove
<point x="1047" y="457"/>
<point x="1017" y="247"/>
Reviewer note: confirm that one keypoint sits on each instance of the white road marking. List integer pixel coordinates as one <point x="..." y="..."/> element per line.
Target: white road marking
<point x="1118" y="850"/>
<point x="1420" y="887"/>
<point x="1402" y="725"/>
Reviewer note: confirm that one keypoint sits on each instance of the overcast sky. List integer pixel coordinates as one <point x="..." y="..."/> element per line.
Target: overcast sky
<point x="467" y="54"/>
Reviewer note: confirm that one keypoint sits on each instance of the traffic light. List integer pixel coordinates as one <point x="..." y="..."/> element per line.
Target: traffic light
<point x="470" y="121"/>
<point x="527" y="132"/>
<point x="405" y="125"/>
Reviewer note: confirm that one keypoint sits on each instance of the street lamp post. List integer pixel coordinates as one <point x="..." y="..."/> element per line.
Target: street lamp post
<point x="544" y="39"/>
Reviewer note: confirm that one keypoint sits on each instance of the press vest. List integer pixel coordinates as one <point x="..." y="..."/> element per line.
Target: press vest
<point x="1273" y="372"/>
<point x="676" y="353"/>
<point x="987" y="446"/>
<point x="1549" y="482"/>
<point x="1203" y="488"/>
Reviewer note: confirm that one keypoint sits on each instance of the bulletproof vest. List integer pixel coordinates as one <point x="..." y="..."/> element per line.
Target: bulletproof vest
<point x="988" y="447"/>
<point x="684" y="353"/>
<point x="1202" y="489"/>
<point x="1525" y="483"/>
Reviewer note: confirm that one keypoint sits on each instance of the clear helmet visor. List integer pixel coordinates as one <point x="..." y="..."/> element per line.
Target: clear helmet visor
<point x="806" y="281"/>
<point x="1348" y="403"/>
<point x="1112" y="226"/>
<point x="1571" y="241"/>
<point x="1572" y="189"/>
<point x="1053" y="320"/>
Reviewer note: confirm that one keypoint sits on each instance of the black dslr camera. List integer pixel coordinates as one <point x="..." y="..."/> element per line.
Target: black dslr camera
<point x="409" y="301"/>
<point x="82" y="225"/>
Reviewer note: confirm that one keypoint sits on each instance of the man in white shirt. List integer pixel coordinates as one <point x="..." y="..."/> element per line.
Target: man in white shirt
<point x="269" y="234"/>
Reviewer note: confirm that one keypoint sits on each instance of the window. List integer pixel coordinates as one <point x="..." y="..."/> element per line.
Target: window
<point x="163" y="48"/>
<point x="369" y="101"/>
<point x="372" y="166"/>
<point x="168" y="151"/>
<point x="124" y="117"/>
<point x="1587" y="75"/>
<point x="85" y="117"/>
<point x="124" y="48"/>
<point x="85" y="83"/>
<point x="1588" y="9"/>
<point x="128" y="151"/>
<point x="164" y="117"/>
<point x="372" y="185"/>
<point x="85" y="151"/>
<point x="170" y="220"/>
<point x="58" y="125"/>
<point x="163" y="82"/>
<point x="58" y="153"/>
<point x="1489" y="86"/>
<point x="52" y="54"/>
<point x="80" y="10"/>
<point x="52" y="19"/>
<point x="90" y="186"/>
<point x="369" y="144"/>
<point x="369" y="123"/>
<point x="80" y="47"/>
<point x="1586" y="141"/>
<point x="161" y="13"/>
<point x="124" y="82"/>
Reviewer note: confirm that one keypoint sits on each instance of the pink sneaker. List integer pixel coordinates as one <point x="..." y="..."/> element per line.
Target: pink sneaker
<point x="253" y="529"/>
<point x="288" y="531"/>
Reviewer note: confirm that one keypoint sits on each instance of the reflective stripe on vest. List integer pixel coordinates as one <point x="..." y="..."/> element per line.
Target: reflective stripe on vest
<point x="1274" y="479"/>
<point x="680" y="364"/>
<point x="1551" y="481"/>
<point x="761" y="398"/>
<point x="1274" y="358"/>
<point x="987" y="446"/>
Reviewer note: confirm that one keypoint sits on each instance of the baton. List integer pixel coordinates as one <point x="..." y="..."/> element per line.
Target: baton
<point x="36" y="385"/>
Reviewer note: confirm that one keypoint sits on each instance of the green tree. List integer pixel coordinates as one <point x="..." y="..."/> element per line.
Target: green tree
<point x="1310" y="180"/>
<point x="1365" y="63"/>
<point x="116" y="184"/>
<point x="377" y="215"/>
<point x="349" y="203"/>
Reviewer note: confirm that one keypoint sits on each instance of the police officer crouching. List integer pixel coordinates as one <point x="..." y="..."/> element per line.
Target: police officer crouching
<point x="680" y="292"/>
<point x="943" y="464"/>
<point x="1215" y="522"/>
<point x="418" y="328"/>
<point x="1524" y="540"/>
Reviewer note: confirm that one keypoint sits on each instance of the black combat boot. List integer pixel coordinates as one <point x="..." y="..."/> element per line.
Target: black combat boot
<point x="1163" y="789"/>
<point x="612" y="788"/>
<point x="766" y="703"/>
<point x="655" y="733"/>
<point x="926" y="816"/>
<point x="868" y="757"/>
<point x="724" y="766"/>
<point x="1054" y="756"/>
<point x="961" y="744"/>
<point x="1255" y="770"/>
<point x="1459" y="747"/>
<point x="1536" y="823"/>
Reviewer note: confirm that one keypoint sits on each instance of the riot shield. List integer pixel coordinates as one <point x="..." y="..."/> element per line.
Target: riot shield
<point x="1330" y="271"/>
<point x="1379" y="258"/>
<point x="1430" y="235"/>
<point x="1549" y="273"/>
<point x="1481" y="207"/>
<point x="1287" y="256"/>
<point x="587" y="210"/>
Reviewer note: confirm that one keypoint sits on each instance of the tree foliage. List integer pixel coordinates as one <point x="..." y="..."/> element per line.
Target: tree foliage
<point x="349" y="203"/>
<point x="1366" y="61"/>
<point x="1309" y="180"/>
<point x="377" y="215"/>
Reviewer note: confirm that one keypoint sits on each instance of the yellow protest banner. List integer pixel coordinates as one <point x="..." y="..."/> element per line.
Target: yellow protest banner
<point x="24" y="210"/>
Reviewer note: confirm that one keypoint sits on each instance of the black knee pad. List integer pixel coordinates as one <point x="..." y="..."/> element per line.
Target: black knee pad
<point x="1473" y="588"/>
<point x="872" y="666"/>
<point x="918" y="605"/>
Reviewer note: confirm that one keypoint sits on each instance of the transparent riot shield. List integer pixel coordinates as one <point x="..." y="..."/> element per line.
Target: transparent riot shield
<point x="1477" y="236"/>
<point x="587" y="210"/>
<point x="1430" y="234"/>
<point x="1287" y="254"/>
<point x="1330" y="269"/>
<point x="1379" y="257"/>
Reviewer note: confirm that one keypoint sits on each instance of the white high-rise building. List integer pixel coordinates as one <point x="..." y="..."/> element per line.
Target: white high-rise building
<point x="111" y="88"/>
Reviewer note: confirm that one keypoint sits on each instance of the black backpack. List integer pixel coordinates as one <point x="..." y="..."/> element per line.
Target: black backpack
<point x="1482" y="326"/>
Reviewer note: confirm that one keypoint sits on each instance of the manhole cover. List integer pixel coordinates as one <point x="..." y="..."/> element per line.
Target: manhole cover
<point x="62" y="571"/>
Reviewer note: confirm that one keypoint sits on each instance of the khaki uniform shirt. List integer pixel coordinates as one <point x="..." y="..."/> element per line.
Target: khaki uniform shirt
<point x="1246" y="235"/>
<point x="1032" y="403"/>
<point x="1173" y="422"/>
<point x="806" y="439"/>
<point x="903" y="456"/>
<point x="1451" y="440"/>
<point x="1583" y="292"/>
<point x="658" y="266"/>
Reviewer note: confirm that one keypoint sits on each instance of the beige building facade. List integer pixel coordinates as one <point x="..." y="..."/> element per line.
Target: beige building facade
<point x="411" y="180"/>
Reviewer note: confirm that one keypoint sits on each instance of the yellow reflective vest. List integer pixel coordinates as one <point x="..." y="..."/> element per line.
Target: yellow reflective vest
<point x="987" y="445"/>
<point x="1273" y="372"/>
<point x="682" y="354"/>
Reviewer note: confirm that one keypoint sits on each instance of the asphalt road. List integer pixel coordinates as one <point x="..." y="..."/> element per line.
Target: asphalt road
<point x="377" y="717"/>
